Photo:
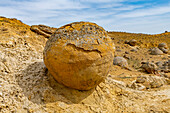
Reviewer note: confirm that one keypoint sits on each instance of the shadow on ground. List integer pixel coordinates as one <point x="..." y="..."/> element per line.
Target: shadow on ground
<point x="40" y="87"/>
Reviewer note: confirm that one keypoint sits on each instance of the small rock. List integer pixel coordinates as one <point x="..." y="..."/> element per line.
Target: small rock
<point x="156" y="51"/>
<point x="159" y="64"/>
<point x="165" y="67"/>
<point x="132" y="42"/>
<point x="150" y="67"/>
<point x="140" y="79"/>
<point x="126" y="52"/>
<point x="134" y="50"/>
<point x="138" y="48"/>
<point x="126" y="42"/>
<point x="112" y="38"/>
<point x="155" y="84"/>
<point x="120" y="61"/>
<point x="119" y="42"/>
<point x="164" y="50"/>
<point x="162" y="45"/>
<point x="166" y="63"/>
<point x="127" y="57"/>
<point x="156" y="81"/>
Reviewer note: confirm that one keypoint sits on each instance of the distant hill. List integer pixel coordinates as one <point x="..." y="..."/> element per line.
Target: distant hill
<point x="144" y="40"/>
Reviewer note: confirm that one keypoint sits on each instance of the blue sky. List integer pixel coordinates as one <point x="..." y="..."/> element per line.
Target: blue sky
<point x="138" y="16"/>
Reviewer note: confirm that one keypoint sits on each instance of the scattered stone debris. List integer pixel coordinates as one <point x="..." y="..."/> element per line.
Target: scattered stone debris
<point x="150" y="67"/>
<point x="164" y="66"/>
<point x="144" y="82"/>
<point x="156" y="68"/>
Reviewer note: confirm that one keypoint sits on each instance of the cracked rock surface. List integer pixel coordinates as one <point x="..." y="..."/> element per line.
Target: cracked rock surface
<point x="83" y="51"/>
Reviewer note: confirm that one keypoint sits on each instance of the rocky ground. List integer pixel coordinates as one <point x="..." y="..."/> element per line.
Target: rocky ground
<point x="27" y="86"/>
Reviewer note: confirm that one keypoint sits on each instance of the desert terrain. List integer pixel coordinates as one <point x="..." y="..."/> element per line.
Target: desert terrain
<point x="26" y="86"/>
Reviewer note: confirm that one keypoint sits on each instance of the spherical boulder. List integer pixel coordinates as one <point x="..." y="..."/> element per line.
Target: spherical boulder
<point x="79" y="55"/>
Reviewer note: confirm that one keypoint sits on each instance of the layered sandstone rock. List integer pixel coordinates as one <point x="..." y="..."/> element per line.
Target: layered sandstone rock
<point x="44" y="30"/>
<point x="79" y="55"/>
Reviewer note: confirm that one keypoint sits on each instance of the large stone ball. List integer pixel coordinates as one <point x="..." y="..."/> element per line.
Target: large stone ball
<point x="79" y="55"/>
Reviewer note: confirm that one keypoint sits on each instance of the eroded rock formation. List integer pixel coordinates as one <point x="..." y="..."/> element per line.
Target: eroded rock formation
<point x="79" y="55"/>
<point x="44" y="30"/>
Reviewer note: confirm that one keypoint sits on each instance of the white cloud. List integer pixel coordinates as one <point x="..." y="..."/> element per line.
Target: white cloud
<point x="111" y="14"/>
<point x="146" y="12"/>
<point x="95" y="1"/>
<point x="55" y="5"/>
